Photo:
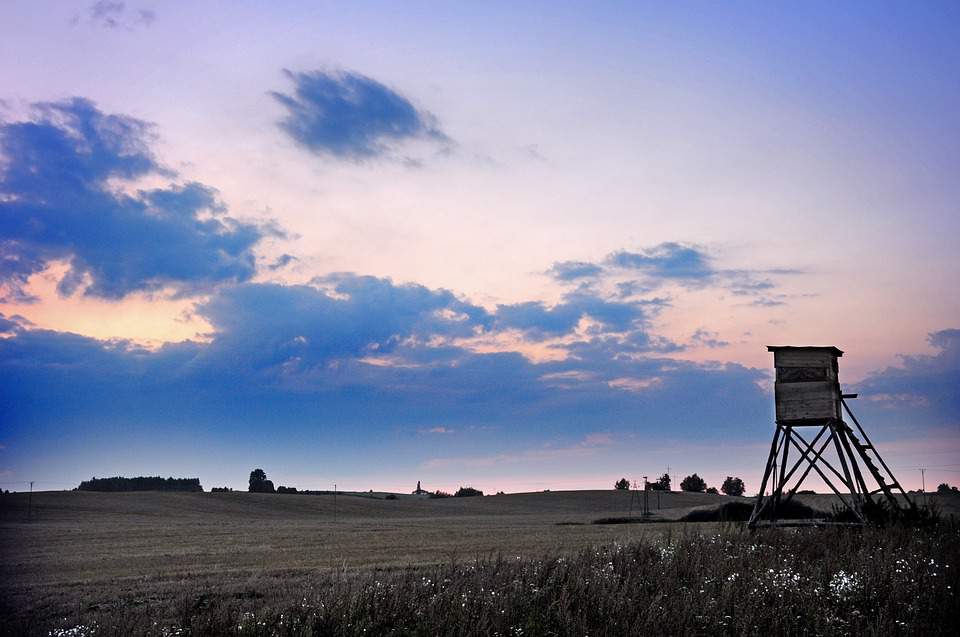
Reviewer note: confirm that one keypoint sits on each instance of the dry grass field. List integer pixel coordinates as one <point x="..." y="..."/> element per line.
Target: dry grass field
<point x="84" y="555"/>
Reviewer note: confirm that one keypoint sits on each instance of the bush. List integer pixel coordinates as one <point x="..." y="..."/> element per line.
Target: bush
<point x="440" y="494"/>
<point x="622" y="484"/>
<point x="733" y="486"/>
<point x="943" y="487"/>
<point x="283" y="489"/>
<point x="221" y="490"/>
<point x="712" y="491"/>
<point x="739" y="511"/>
<point x="879" y="513"/>
<point x="390" y="496"/>
<point x="467" y="492"/>
<point x="694" y="483"/>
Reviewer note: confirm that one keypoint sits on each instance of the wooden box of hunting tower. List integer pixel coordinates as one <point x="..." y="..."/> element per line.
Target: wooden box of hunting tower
<point x="807" y="389"/>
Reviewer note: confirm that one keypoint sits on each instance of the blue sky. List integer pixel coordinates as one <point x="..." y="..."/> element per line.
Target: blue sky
<point x="521" y="247"/>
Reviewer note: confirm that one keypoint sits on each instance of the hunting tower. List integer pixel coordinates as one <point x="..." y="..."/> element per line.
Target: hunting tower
<point x="809" y="402"/>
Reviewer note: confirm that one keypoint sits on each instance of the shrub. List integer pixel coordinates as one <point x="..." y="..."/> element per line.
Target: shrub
<point x="221" y="490"/>
<point x="693" y="483"/>
<point x="712" y="491"/>
<point x="738" y="511"/>
<point x="880" y="514"/>
<point x="622" y="484"/>
<point x="943" y="487"/>
<point x="440" y="494"/>
<point x="283" y="489"/>
<point x="390" y="496"/>
<point x="467" y="492"/>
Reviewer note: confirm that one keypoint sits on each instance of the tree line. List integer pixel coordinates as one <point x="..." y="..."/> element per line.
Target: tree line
<point x="141" y="483"/>
<point x="692" y="483"/>
<point x="259" y="483"/>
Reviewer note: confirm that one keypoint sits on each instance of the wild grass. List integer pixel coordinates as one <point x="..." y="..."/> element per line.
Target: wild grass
<point x="893" y="581"/>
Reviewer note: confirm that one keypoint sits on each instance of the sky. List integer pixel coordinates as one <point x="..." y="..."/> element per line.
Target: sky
<point x="517" y="246"/>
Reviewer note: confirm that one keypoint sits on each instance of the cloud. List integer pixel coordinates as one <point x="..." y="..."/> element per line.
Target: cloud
<point x="64" y="177"/>
<point x="359" y="354"/>
<point x="111" y="14"/>
<point x="639" y="272"/>
<point x="281" y="262"/>
<point x="539" y="321"/>
<point x="924" y="387"/>
<point x="706" y="338"/>
<point x="666" y="261"/>
<point x="435" y="430"/>
<point x="573" y="270"/>
<point x="350" y="116"/>
<point x="293" y="328"/>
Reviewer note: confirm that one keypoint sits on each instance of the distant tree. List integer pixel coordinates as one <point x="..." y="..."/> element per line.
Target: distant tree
<point x="622" y="484"/>
<point x="693" y="483"/>
<point x="943" y="487"/>
<point x="221" y="490"/>
<point x="259" y="482"/>
<point x="467" y="492"/>
<point x="283" y="489"/>
<point x="662" y="483"/>
<point x="439" y="494"/>
<point x="733" y="486"/>
<point x="712" y="491"/>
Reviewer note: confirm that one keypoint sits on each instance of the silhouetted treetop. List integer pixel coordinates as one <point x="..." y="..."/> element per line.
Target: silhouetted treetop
<point x="694" y="483"/>
<point x="733" y="486"/>
<point x="259" y="482"/>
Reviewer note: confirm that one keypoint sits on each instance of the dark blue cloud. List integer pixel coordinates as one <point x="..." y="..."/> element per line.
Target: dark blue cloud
<point x="924" y="387"/>
<point x="674" y="263"/>
<point x="351" y="116"/>
<point x="59" y="200"/>
<point x="260" y="326"/>
<point x="538" y="320"/>
<point x="298" y="358"/>
<point x="667" y="261"/>
<point x="281" y="262"/>
<point x="573" y="270"/>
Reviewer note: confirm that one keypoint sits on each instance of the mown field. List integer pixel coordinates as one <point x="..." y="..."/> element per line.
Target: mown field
<point x="159" y="563"/>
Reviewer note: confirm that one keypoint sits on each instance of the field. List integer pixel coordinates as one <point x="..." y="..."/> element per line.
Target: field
<point x="156" y="563"/>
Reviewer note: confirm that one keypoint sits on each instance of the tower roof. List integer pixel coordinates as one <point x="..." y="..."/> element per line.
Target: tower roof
<point x="829" y="348"/>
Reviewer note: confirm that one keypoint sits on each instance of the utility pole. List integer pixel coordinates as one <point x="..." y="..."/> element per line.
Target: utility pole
<point x="646" y="497"/>
<point x="923" y="484"/>
<point x="30" y="502"/>
<point x="334" y="502"/>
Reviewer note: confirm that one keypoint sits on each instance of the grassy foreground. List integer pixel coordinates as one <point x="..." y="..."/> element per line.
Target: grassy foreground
<point x="782" y="582"/>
